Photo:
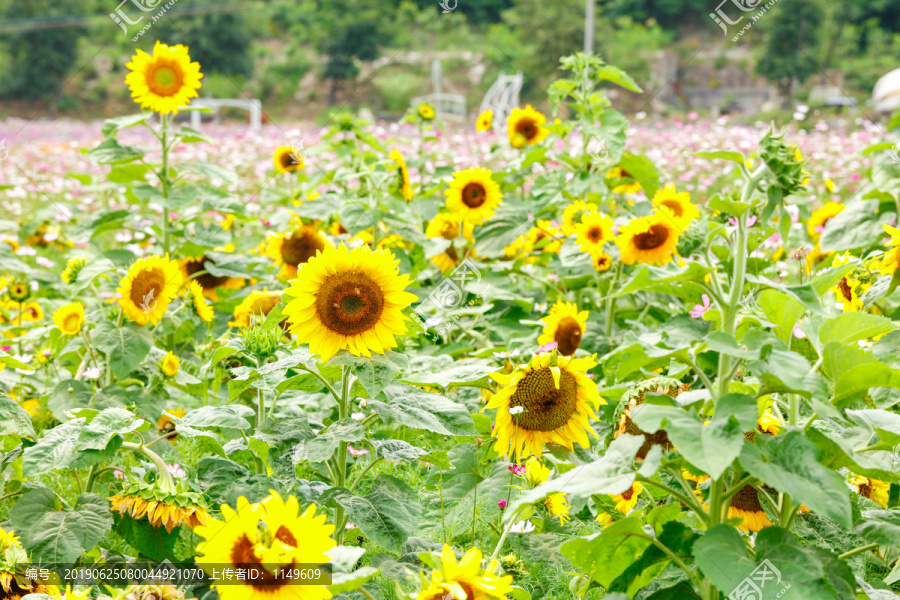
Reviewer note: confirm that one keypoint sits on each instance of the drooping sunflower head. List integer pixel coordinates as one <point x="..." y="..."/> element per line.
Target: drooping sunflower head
<point x="602" y="261"/>
<point x="295" y="248"/>
<point x="630" y="186"/>
<point x="73" y="268"/>
<point x="165" y="80"/>
<point x="265" y="536"/>
<point x="473" y="195"/>
<point x="817" y="221"/>
<point x="594" y="230"/>
<point x="287" y="159"/>
<point x="745" y="505"/>
<point x="19" y="291"/>
<point x="169" y="364"/>
<point x="633" y="398"/>
<point x="558" y="401"/>
<point x="565" y="326"/>
<point x="649" y="240"/>
<point x="257" y="305"/>
<point x="199" y="302"/>
<point x="404" y="183"/>
<point x="148" y="287"/>
<point x="573" y="214"/>
<point x="526" y="125"/>
<point x="69" y="318"/>
<point x="162" y="508"/>
<point x="485" y="121"/>
<point x="679" y="203"/>
<point x="349" y="300"/>
<point x="426" y="111"/>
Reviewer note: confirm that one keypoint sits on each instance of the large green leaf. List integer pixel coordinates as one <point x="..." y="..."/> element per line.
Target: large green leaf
<point x="862" y="377"/>
<point x="790" y="463"/>
<point x="56" y="450"/>
<point x="322" y="447"/>
<point x="607" y="556"/>
<point x="412" y="407"/>
<point x="457" y="373"/>
<point x="125" y="347"/>
<point x="153" y="542"/>
<point x="783" y="310"/>
<point x="344" y="576"/>
<point x="642" y="170"/>
<point x="853" y="326"/>
<point x="232" y="415"/>
<point x="14" y="420"/>
<point x="881" y="527"/>
<point x="105" y="425"/>
<point x="647" y="277"/>
<point x="387" y="514"/>
<point x="857" y="226"/>
<point x="675" y="536"/>
<point x="375" y="373"/>
<point x="722" y="557"/>
<point x="224" y="481"/>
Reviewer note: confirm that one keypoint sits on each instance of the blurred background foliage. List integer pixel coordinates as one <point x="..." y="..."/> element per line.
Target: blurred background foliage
<point x="304" y="57"/>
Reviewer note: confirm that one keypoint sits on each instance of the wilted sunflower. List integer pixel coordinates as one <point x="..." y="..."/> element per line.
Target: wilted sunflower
<point x="162" y="509"/>
<point x="292" y="249"/>
<point x="558" y="401"/>
<point x="573" y="214"/>
<point x="268" y="536"/>
<point x="601" y="261"/>
<point x="465" y="579"/>
<point x="485" y="121"/>
<point x="209" y="282"/>
<point x="526" y="124"/>
<point x="649" y="240"/>
<point x="630" y="187"/>
<point x="73" y="268"/>
<point x="287" y="159"/>
<point x="628" y="499"/>
<point x="19" y="291"/>
<point x="148" y="287"/>
<point x="349" y="300"/>
<point x="633" y="398"/>
<point x="565" y="326"/>
<point x="69" y="318"/>
<point x="876" y="491"/>
<point x="473" y="195"/>
<point x="405" y="185"/>
<point x="426" y="111"/>
<point x="198" y="301"/>
<point x="817" y="221"/>
<point x="164" y="81"/>
<point x="679" y="203"/>
<point x="594" y="231"/>
<point x="257" y="304"/>
<point x="169" y="364"/>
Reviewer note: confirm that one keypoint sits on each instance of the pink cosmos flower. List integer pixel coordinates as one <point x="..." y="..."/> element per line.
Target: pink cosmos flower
<point x="502" y="504"/>
<point x="700" y="309"/>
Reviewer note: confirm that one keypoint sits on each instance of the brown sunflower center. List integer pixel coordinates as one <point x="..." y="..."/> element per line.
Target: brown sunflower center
<point x="846" y="291"/>
<point x="288" y="159"/>
<point x="527" y="128"/>
<point x="165" y="79"/>
<point x="602" y="261"/>
<point x="301" y="246"/>
<point x="243" y="556"/>
<point x="652" y="239"/>
<point x="546" y="406"/>
<point x="473" y="195"/>
<point x="747" y="499"/>
<point x="206" y="281"/>
<point x="675" y="207"/>
<point x="146" y="288"/>
<point x="349" y="303"/>
<point x="627" y="494"/>
<point x="568" y="336"/>
<point x="595" y="234"/>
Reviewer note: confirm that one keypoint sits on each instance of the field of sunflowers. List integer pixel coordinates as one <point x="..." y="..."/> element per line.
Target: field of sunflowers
<point x="567" y="355"/>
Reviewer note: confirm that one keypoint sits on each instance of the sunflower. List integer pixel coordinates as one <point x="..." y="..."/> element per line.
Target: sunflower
<point x="473" y="195"/>
<point x="19" y="291"/>
<point x="267" y="536"/>
<point x="874" y="490"/>
<point x="558" y="506"/>
<point x="565" y="326"/>
<point x="287" y="159"/>
<point x="849" y="289"/>
<point x="745" y="506"/>
<point x="543" y="237"/>
<point x="630" y="187"/>
<point x="32" y="311"/>
<point x="13" y="574"/>
<point x="290" y="250"/>
<point x="447" y="226"/>
<point x="349" y="300"/>
<point x="165" y="423"/>
<point x="602" y="261"/>
<point x="73" y="268"/>
<point x="148" y="287"/>
<point x="69" y="318"/>
<point x="536" y="472"/>
<point x="594" y="230"/>
<point x="768" y="423"/>
<point x="162" y="509"/>
<point x="257" y="304"/>
<point x="446" y="260"/>
<point x="891" y="259"/>
<point x="526" y="124"/>
<point x="198" y="301"/>
<point x="820" y="218"/>
<point x="405" y="186"/>
<point x="628" y="499"/>
<point x="573" y="214"/>
<point x="485" y="121"/>
<point x="679" y="203"/>
<point x="169" y="364"/>
<point x="426" y="111"/>
<point x="692" y="476"/>
<point x="209" y="282"/>
<point x="649" y="240"/>
<point x="633" y="398"/>
<point x="465" y="579"/>
<point x="164" y="81"/>
<point x="558" y="401"/>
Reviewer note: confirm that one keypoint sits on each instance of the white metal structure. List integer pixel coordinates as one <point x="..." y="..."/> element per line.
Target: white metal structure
<point x="502" y="97"/>
<point x="449" y="107"/>
<point x="254" y="107"/>
<point x="886" y="95"/>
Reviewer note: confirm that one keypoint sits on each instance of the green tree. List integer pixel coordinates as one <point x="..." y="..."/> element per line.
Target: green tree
<point x="790" y="45"/>
<point x="40" y="57"/>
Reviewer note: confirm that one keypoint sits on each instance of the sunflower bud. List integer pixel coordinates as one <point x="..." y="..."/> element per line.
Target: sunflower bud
<point x="73" y="268"/>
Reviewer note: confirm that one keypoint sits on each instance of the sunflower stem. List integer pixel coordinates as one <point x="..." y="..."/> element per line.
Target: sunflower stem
<point x="163" y="476"/>
<point x="164" y="182"/>
<point x="856" y="551"/>
<point x="341" y="470"/>
<point x="509" y="525"/>
<point x="611" y="302"/>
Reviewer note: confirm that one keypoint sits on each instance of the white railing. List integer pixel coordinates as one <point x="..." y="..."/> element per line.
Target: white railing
<point x="254" y="107"/>
<point x="502" y="97"/>
<point x="886" y="95"/>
